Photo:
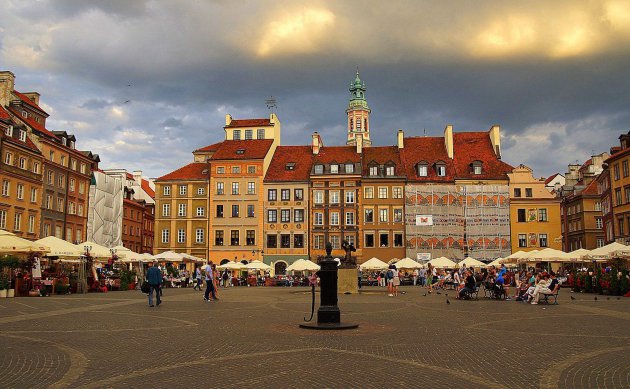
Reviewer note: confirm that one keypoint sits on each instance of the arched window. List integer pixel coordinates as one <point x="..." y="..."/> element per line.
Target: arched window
<point x="365" y="124"/>
<point x="351" y="124"/>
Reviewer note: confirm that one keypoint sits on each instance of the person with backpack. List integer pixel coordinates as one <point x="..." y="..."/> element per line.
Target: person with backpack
<point x="389" y="278"/>
<point x="225" y="278"/>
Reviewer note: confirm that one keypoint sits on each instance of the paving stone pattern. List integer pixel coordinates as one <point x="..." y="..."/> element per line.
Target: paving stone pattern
<point x="250" y="338"/>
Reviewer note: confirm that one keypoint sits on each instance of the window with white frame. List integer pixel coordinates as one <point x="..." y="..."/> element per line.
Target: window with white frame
<point x="80" y="210"/>
<point x="201" y="191"/>
<point x="201" y="211"/>
<point x="319" y="169"/>
<point x="20" y="191"/>
<point x="349" y="218"/>
<point x="33" y="195"/>
<point x="220" y="169"/>
<point x="349" y="168"/>
<point x="272" y="215"/>
<point x="382" y="192"/>
<point x="72" y="185"/>
<point x="318" y="197"/>
<point x="35" y="167"/>
<point x="235" y="188"/>
<point x="236" y="170"/>
<point x="199" y="235"/>
<point x="3" y="219"/>
<point x="22" y="135"/>
<point x="334" y="218"/>
<point x="398" y="215"/>
<point x="181" y="235"/>
<point x="237" y="135"/>
<point x="422" y="169"/>
<point x="383" y="215"/>
<point x="350" y="197"/>
<point x="220" y="188"/>
<point x="368" y="192"/>
<point x="298" y="215"/>
<point x="181" y="209"/>
<point x="272" y="194"/>
<point x="249" y="134"/>
<point x="251" y="188"/>
<point x="335" y="240"/>
<point x="17" y="222"/>
<point x="285" y="215"/>
<point x="440" y="169"/>
<point x="182" y="190"/>
<point x="83" y="170"/>
<point x="22" y="163"/>
<point x="318" y="218"/>
<point x="285" y="194"/>
<point x="260" y="133"/>
<point x="60" y="206"/>
<point x="389" y="170"/>
<point x="8" y="158"/>
<point x="397" y="192"/>
<point x="167" y="190"/>
<point x="166" y="209"/>
<point x="542" y="240"/>
<point x="31" y="224"/>
<point x="373" y="171"/>
<point x="6" y="187"/>
<point x="334" y="197"/>
<point x="334" y="168"/>
<point x="8" y="131"/>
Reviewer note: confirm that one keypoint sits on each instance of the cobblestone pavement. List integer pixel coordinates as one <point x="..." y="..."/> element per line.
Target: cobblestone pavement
<point x="251" y="338"/>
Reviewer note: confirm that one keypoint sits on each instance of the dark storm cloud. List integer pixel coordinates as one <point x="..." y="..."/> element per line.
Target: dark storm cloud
<point x="559" y="90"/>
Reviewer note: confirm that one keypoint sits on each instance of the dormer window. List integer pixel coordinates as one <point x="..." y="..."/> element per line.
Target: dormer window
<point x="240" y="151"/>
<point x="440" y="169"/>
<point x="334" y="168"/>
<point x="8" y="131"/>
<point x="373" y="171"/>
<point x="389" y="170"/>
<point x="249" y="134"/>
<point x="476" y="167"/>
<point x="24" y="114"/>
<point x="63" y="141"/>
<point x="23" y="135"/>
<point x="349" y="168"/>
<point x="237" y="135"/>
<point x="290" y="166"/>
<point x="260" y="133"/>
<point x="72" y="144"/>
<point x="422" y="169"/>
<point x="319" y="169"/>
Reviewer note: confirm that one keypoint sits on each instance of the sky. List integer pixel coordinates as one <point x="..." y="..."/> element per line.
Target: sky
<point x="144" y="83"/>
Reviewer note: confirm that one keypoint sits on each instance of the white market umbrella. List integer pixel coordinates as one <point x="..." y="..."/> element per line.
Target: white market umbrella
<point x="497" y="262"/>
<point x="471" y="262"/>
<point x="374" y="264"/>
<point x="442" y="262"/>
<point x="12" y="244"/>
<point x="577" y="255"/>
<point x="549" y="255"/>
<point x="60" y="248"/>
<point x="169" y="256"/>
<point x="292" y="266"/>
<point x="392" y="261"/>
<point x="191" y="258"/>
<point x="145" y="258"/>
<point x="231" y="266"/>
<point x="96" y="250"/>
<point x="257" y="265"/>
<point x="515" y="255"/>
<point x="607" y="252"/>
<point x="407" y="263"/>
<point x="304" y="265"/>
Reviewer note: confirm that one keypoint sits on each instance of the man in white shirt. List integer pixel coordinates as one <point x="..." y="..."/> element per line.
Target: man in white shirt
<point x="209" y="283"/>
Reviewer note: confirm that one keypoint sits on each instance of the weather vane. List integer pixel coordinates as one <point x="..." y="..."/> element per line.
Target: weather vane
<point x="271" y="103"/>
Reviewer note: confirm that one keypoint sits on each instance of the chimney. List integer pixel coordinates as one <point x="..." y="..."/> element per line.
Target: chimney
<point x="228" y="119"/>
<point x="272" y="118"/>
<point x="317" y="143"/>
<point x="401" y="139"/>
<point x="359" y="143"/>
<point x="137" y="176"/>
<point x="7" y="85"/>
<point x="33" y="96"/>
<point x="448" y="140"/>
<point x="495" y="139"/>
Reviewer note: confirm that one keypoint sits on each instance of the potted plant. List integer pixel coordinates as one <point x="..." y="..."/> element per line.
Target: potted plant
<point x="4" y="286"/>
<point x="10" y="262"/>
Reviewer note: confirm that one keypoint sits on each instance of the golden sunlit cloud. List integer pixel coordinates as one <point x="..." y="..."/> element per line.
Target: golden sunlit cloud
<point x="298" y="32"/>
<point x="618" y="14"/>
<point x="515" y="35"/>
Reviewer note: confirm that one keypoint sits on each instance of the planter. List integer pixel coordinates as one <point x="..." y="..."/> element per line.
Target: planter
<point x="11" y="293"/>
<point x="3" y="293"/>
<point x="33" y="293"/>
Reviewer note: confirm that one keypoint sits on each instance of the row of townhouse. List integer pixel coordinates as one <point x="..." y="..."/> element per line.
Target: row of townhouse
<point x="49" y="188"/>
<point x="248" y="197"/>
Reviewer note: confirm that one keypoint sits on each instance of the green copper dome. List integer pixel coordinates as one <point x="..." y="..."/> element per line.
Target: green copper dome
<point x="357" y="94"/>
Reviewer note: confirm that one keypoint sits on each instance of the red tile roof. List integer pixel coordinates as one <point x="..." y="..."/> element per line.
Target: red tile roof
<point x="586" y="164"/>
<point x="476" y="146"/>
<point x="129" y="176"/>
<point x="28" y="101"/>
<point x="551" y="178"/>
<point x="338" y="154"/>
<point x="4" y="114"/>
<point x="382" y="155"/>
<point x="251" y="149"/>
<point x="192" y="171"/>
<point x="248" y="123"/>
<point x="210" y="148"/>
<point x="147" y="188"/>
<point x="591" y="189"/>
<point x="430" y="150"/>
<point x="16" y="139"/>
<point x="620" y="153"/>
<point x="301" y="156"/>
<point x="33" y="124"/>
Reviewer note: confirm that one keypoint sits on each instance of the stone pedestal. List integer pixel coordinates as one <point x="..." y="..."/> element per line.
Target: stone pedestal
<point x="348" y="281"/>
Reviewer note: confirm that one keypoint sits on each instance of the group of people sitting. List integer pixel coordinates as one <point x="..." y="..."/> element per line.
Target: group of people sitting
<point x="529" y="287"/>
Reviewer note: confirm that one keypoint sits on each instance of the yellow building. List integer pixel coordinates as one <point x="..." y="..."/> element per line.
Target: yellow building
<point x="181" y="211"/>
<point x="534" y="213"/>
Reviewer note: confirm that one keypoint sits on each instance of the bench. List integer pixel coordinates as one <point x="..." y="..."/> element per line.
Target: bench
<point x="544" y="297"/>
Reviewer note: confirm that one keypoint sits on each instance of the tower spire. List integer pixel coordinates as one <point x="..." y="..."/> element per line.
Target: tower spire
<point x="358" y="113"/>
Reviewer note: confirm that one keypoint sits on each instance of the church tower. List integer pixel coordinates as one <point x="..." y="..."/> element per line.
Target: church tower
<point x="358" y="114"/>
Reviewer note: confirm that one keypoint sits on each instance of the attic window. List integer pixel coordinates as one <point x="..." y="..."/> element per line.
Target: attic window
<point x="389" y="170"/>
<point x="8" y="131"/>
<point x="334" y="168"/>
<point x="374" y="170"/>
<point x="22" y="135"/>
<point x="64" y="141"/>
<point x="240" y="151"/>
<point x="476" y="167"/>
<point x="349" y="168"/>
<point x="319" y="169"/>
<point x="422" y="169"/>
<point x="440" y="169"/>
<point x="290" y="166"/>
<point x="24" y="114"/>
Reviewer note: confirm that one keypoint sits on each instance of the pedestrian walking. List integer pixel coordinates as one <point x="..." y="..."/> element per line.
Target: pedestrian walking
<point x="360" y="275"/>
<point x="395" y="282"/>
<point x="154" y="278"/>
<point x="198" y="277"/>
<point x="431" y="273"/>
<point x="216" y="277"/>
<point x="225" y="278"/>
<point x="209" y="283"/>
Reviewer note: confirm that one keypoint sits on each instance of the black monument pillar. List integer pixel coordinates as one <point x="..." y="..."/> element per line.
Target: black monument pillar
<point x="328" y="314"/>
